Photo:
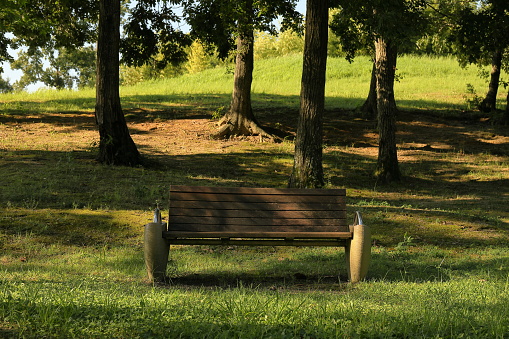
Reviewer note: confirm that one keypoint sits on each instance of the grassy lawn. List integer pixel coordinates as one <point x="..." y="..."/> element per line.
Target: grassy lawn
<point x="71" y="229"/>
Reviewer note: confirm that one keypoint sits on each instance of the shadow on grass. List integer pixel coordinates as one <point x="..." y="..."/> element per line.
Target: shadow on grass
<point x="46" y="179"/>
<point x="312" y="270"/>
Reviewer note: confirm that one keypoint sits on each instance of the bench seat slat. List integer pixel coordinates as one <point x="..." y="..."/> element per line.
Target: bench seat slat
<point x="183" y="220"/>
<point x="266" y="206"/>
<point x="259" y="228"/>
<point x="214" y="213"/>
<point x="261" y="242"/>
<point x="249" y="190"/>
<point x="296" y="235"/>
<point x="256" y="198"/>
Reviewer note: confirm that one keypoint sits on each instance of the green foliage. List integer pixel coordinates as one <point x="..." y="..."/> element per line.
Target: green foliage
<point x="67" y="68"/>
<point x="219" y="112"/>
<point x="481" y="30"/>
<point x="5" y="86"/>
<point x="442" y="17"/>
<point x="271" y="46"/>
<point x="151" y="36"/>
<point x="284" y="43"/>
<point x="218" y="22"/>
<point x="199" y="58"/>
<point x="57" y="23"/>
<point x="472" y="100"/>
<point x="358" y="23"/>
<point x="131" y="75"/>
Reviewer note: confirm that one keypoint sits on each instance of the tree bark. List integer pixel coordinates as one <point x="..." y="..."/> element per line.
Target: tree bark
<point x="240" y="119"/>
<point x="368" y="109"/>
<point x="115" y="145"/>
<point x="387" y="164"/>
<point x="505" y="118"/>
<point x="307" y="168"/>
<point x="489" y="103"/>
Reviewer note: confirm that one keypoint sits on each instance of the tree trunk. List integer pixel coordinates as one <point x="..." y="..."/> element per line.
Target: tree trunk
<point x="115" y="145"/>
<point x="505" y="118"/>
<point x="368" y="109"/>
<point x="387" y="165"/>
<point x="307" y="167"/>
<point x="489" y="103"/>
<point x="240" y="119"/>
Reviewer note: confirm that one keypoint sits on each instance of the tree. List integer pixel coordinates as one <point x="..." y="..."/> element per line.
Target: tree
<point x="228" y="25"/>
<point x="71" y="23"/>
<point x="481" y="38"/>
<point x="115" y="146"/>
<point x="307" y="167"/>
<point x="240" y="120"/>
<point x="391" y="24"/>
<point x="150" y="35"/>
<point x="41" y="23"/>
<point x="5" y="86"/>
<point x="8" y="14"/>
<point x="385" y="64"/>
<point x="66" y="67"/>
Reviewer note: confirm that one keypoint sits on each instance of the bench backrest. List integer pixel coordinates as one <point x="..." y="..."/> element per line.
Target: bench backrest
<point x="248" y="211"/>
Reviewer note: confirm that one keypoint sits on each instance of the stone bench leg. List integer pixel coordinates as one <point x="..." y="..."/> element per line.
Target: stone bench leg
<point x="156" y="251"/>
<point x="358" y="250"/>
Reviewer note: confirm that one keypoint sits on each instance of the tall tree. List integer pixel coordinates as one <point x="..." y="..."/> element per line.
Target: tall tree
<point x="307" y="167"/>
<point x="229" y="25"/>
<point x="390" y="23"/>
<point x="43" y="23"/>
<point x="355" y="35"/>
<point x="385" y="65"/>
<point x="240" y="120"/>
<point x="115" y="146"/>
<point x="481" y="38"/>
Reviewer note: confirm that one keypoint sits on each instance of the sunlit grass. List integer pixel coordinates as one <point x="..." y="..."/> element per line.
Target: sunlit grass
<point x="424" y="83"/>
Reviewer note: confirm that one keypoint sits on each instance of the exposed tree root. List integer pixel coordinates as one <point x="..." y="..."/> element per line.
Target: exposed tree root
<point x="247" y="127"/>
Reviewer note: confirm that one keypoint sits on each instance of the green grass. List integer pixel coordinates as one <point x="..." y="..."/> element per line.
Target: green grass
<point x="437" y="84"/>
<point x="71" y="230"/>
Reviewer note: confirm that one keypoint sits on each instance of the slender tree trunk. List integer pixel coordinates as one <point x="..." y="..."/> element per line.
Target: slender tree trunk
<point x="505" y="118"/>
<point x="115" y="146"/>
<point x="489" y="103"/>
<point x="368" y="109"/>
<point x="387" y="165"/>
<point x="240" y="119"/>
<point x="307" y="167"/>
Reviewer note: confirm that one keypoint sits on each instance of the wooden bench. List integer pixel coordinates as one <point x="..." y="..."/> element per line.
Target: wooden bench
<point x="257" y="217"/>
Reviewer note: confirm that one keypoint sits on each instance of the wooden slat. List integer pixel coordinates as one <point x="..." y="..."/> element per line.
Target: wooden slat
<point x="243" y="228"/>
<point x="236" y="213"/>
<point x="182" y="220"/>
<point x="250" y="190"/>
<point x="296" y="235"/>
<point x="266" y="206"/>
<point x="256" y="198"/>
<point x="258" y="242"/>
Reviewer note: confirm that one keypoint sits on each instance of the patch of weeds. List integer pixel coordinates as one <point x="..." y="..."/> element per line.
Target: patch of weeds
<point x="372" y="203"/>
<point x="219" y="112"/>
<point x="472" y="100"/>
<point x="407" y="242"/>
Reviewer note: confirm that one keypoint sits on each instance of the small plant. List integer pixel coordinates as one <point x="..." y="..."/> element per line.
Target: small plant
<point x="471" y="98"/>
<point x="219" y="113"/>
<point x="407" y="242"/>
